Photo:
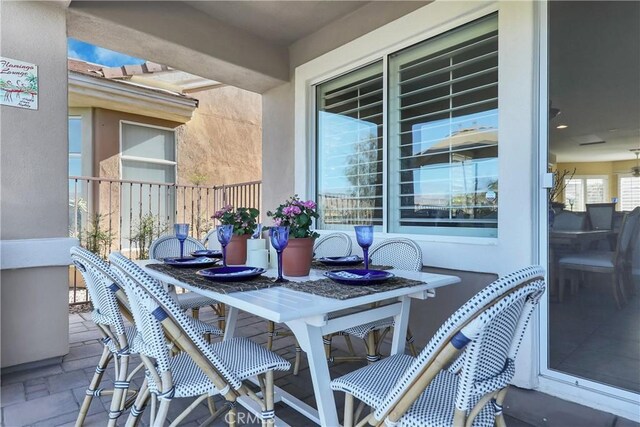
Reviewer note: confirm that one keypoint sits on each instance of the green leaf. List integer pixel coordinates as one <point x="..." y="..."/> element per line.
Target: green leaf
<point x="302" y="220"/>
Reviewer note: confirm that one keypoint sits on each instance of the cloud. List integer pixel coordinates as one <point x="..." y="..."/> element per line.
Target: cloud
<point x="99" y="55"/>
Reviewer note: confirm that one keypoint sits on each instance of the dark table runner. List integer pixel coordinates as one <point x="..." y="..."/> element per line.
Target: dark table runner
<point x="317" y="265"/>
<point x="330" y="289"/>
<point x="323" y="287"/>
<point x="188" y="275"/>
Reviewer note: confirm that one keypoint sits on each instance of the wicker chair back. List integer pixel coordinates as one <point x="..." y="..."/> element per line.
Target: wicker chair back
<point x="484" y="334"/>
<point x="400" y="253"/>
<point x="334" y="244"/>
<point x="169" y="246"/>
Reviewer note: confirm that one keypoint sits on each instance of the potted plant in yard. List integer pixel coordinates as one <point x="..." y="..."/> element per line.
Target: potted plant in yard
<point x="244" y="223"/>
<point x="298" y="215"/>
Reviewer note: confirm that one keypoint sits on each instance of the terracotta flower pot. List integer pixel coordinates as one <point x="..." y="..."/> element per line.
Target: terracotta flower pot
<point x="297" y="256"/>
<point x="237" y="250"/>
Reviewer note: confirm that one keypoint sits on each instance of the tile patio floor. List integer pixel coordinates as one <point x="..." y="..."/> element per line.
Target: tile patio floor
<point x="51" y="395"/>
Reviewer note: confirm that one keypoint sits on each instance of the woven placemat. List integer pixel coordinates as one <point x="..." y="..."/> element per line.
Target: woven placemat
<point x="323" y="287"/>
<point x="317" y="265"/>
<point x="330" y="289"/>
<point x="189" y="276"/>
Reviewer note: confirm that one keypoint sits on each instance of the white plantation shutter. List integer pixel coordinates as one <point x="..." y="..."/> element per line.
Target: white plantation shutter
<point x="580" y="191"/>
<point x="443" y="133"/>
<point x="349" y="149"/>
<point x="629" y="191"/>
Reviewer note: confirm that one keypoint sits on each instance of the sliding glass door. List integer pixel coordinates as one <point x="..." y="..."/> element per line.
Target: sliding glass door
<point x="593" y="338"/>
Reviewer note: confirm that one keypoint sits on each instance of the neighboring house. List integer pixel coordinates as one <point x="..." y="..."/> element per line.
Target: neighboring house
<point x="151" y="123"/>
<point x="391" y="71"/>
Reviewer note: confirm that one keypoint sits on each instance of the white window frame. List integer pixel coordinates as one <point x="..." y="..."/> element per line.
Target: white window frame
<point x="517" y="106"/>
<point x="388" y="41"/>
<point x="173" y="163"/>
<point x="584" y="179"/>
<point x="624" y="175"/>
<point x="86" y="115"/>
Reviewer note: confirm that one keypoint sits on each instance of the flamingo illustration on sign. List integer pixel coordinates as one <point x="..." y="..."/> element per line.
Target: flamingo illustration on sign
<point x="18" y="84"/>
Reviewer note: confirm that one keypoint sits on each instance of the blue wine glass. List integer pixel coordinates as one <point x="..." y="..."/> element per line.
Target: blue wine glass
<point x="182" y="231"/>
<point x="225" y="232"/>
<point x="364" y="236"/>
<point x="279" y="239"/>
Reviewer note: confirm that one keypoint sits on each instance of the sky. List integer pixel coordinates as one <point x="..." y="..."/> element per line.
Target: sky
<point x="98" y="55"/>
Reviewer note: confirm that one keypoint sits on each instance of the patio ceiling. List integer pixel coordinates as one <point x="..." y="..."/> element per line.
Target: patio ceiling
<point x="279" y="22"/>
<point x="248" y="44"/>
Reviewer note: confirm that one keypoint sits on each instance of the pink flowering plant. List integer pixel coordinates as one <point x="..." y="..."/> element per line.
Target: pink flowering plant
<point x="243" y="219"/>
<point x="298" y="215"/>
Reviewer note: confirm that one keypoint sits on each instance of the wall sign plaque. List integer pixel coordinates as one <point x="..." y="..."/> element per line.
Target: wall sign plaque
<point x="18" y="84"/>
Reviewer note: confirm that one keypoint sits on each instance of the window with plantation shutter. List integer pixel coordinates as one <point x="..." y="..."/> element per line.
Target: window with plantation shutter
<point x="582" y="190"/>
<point x="629" y="190"/>
<point x="349" y="149"/>
<point x="443" y="133"/>
<point x="410" y="143"/>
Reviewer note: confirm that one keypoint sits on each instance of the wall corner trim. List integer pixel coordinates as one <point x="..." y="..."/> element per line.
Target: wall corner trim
<point x="31" y="253"/>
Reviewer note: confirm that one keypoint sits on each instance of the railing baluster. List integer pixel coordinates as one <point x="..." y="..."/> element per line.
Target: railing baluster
<point x="247" y="194"/>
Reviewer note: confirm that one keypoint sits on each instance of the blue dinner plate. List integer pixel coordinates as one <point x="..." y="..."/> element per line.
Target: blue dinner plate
<point x="359" y="277"/>
<point x="231" y="274"/>
<point x="190" y="261"/>
<point x="341" y="260"/>
<point x="207" y="253"/>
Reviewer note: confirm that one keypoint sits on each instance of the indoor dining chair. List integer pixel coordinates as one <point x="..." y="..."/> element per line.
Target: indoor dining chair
<point x="600" y="215"/>
<point x="461" y="377"/>
<point x="616" y="264"/>
<point x="118" y="340"/>
<point x="169" y="246"/>
<point x="199" y="369"/>
<point x="400" y="253"/>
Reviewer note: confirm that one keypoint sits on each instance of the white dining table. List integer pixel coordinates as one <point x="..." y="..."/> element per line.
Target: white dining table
<point x="310" y="317"/>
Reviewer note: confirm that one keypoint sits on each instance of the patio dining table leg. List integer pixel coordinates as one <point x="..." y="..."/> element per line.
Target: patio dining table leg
<point x="310" y="338"/>
<point x="401" y="324"/>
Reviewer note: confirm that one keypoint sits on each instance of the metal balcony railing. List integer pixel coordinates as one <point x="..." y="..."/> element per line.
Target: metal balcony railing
<point x="125" y="215"/>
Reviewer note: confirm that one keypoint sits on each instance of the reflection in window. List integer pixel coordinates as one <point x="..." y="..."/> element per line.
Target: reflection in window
<point x="349" y="156"/>
<point x="443" y="137"/>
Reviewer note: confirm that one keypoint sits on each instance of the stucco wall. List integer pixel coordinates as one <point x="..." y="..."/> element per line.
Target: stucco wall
<point x="278" y="147"/>
<point x="222" y="141"/>
<point x="33" y="176"/>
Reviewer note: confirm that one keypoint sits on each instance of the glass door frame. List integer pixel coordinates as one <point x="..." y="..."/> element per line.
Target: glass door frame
<point x="554" y="382"/>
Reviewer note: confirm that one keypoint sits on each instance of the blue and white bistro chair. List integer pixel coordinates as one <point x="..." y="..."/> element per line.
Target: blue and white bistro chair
<point x="332" y="244"/>
<point x="118" y="339"/>
<point x="199" y="369"/>
<point x="462" y="375"/>
<point x="400" y="253"/>
<point x="169" y="246"/>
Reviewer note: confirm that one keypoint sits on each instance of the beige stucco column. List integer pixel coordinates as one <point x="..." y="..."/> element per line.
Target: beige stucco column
<point x="34" y="194"/>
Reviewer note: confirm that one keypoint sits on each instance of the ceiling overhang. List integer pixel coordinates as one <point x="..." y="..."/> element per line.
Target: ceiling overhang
<point x="87" y="91"/>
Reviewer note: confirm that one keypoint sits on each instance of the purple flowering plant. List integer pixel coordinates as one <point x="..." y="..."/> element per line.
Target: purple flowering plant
<point x="298" y="215"/>
<point x="243" y="219"/>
